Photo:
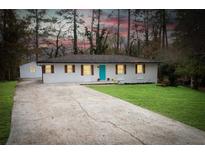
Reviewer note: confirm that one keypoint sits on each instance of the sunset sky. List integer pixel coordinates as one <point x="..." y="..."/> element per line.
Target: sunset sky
<point x="108" y="20"/>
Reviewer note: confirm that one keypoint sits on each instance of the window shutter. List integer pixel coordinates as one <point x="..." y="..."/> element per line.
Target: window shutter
<point x="116" y="72"/>
<point x="125" y="69"/>
<point x="66" y="70"/>
<point x="144" y="68"/>
<point x="73" y="66"/>
<point x="43" y="69"/>
<point x="136" y="68"/>
<point x="52" y="68"/>
<point x="81" y="69"/>
<point x="92" y="70"/>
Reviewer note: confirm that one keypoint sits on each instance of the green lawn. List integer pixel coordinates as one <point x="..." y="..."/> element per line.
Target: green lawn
<point x="180" y="103"/>
<point x="6" y="101"/>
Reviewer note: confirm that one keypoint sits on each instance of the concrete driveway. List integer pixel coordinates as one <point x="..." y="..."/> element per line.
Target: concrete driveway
<point x="74" y="114"/>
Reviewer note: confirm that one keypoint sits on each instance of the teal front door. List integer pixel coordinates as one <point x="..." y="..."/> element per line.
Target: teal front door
<point x="102" y="72"/>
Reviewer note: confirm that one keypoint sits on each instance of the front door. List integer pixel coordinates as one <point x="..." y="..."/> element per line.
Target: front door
<point x="102" y="72"/>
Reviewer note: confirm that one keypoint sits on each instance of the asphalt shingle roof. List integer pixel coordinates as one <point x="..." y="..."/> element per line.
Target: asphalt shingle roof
<point x="97" y="59"/>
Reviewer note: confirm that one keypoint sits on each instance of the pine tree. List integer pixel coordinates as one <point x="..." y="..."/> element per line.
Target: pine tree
<point x="38" y="18"/>
<point x="73" y="18"/>
<point x="190" y="36"/>
<point x="13" y="32"/>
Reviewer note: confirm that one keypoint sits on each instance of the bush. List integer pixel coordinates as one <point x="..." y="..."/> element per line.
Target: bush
<point x="167" y="70"/>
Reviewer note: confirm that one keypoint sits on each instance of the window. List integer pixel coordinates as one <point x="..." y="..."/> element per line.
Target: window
<point x="87" y="70"/>
<point x="48" y="69"/>
<point x="32" y="69"/>
<point x="140" y="68"/>
<point x="120" y="69"/>
<point x="69" y="68"/>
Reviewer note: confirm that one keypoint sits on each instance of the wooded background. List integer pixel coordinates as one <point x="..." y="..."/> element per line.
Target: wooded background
<point x="35" y="34"/>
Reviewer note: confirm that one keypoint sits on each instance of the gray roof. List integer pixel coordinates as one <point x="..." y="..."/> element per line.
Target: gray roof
<point x="97" y="59"/>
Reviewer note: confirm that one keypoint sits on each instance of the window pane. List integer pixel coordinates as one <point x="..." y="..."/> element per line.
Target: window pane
<point x="48" y="69"/>
<point x="87" y="69"/>
<point x="69" y="68"/>
<point x="32" y="69"/>
<point x="120" y="69"/>
<point x="139" y="68"/>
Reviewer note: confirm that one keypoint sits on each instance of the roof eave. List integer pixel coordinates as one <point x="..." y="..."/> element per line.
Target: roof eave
<point x="46" y="62"/>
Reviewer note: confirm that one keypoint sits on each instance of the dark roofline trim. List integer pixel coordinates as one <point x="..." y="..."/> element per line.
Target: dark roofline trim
<point x="95" y="62"/>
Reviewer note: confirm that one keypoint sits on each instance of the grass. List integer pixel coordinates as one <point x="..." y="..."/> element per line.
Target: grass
<point x="179" y="103"/>
<point x="6" y="101"/>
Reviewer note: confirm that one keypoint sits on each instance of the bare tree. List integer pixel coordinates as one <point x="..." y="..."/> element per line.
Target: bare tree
<point x="89" y="33"/>
<point x="37" y="16"/>
<point x="73" y="18"/>
<point x="60" y="34"/>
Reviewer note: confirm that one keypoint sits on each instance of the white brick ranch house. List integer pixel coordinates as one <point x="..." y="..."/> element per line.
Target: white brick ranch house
<point x="98" y="68"/>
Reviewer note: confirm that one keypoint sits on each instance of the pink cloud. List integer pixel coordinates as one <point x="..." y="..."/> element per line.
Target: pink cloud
<point x="109" y="21"/>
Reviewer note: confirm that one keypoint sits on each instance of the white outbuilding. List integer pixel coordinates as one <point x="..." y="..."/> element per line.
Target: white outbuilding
<point x="30" y="71"/>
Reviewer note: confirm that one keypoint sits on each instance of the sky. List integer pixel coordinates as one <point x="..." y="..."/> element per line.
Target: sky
<point x="108" y="20"/>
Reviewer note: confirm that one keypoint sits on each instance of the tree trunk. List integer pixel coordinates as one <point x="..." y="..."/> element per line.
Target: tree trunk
<point x="4" y="26"/>
<point x="57" y="43"/>
<point x="194" y="82"/>
<point x="75" y="43"/>
<point x="98" y="34"/>
<point x="128" y="34"/>
<point x="118" y="30"/>
<point x="104" y="43"/>
<point x="57" y="47"/>
<point x="37" y="34"/>
<point x="166" y="39"/>
<point x="146" y="28"/>
<point x="138" y="47"/>
<point x="164" y="30"/>
<point x="160" y="36"/>
<point x="91" y="34"/>
<point x="163" y="38"/>
<point x="9" y="74"/>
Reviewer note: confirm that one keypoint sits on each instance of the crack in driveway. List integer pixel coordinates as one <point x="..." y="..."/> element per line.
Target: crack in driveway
<point x="107" y="122"/>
